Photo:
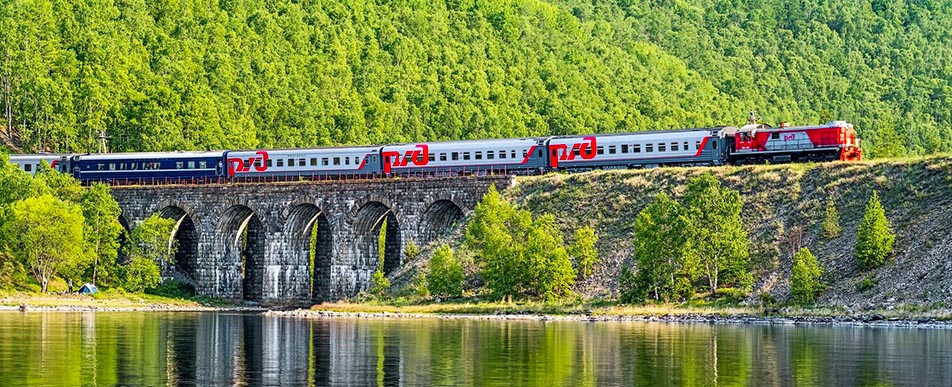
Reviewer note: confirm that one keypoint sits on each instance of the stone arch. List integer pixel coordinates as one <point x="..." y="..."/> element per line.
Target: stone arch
<point x="241" y="237"/>
<point x="185" y="233"/>
<point x="438" y="218"/>
<point x="368" y="221"/>
<point x="302" y="218"/>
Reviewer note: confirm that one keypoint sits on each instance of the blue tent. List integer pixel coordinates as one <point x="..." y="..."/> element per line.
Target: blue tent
<point x="88" y="289"/>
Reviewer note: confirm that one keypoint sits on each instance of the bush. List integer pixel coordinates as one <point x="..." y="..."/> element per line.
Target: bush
<point x="173" y="289"/>
<point x="874" y="237"/>
<point x="141" y="274"/>
<point x="584" y="252"/>
<point x="379" y="283"/>
<point x="867" y="283"/>
<point x="805" y="277"/>
<point x="446" y="274"/>
<point x="831" y="223"/>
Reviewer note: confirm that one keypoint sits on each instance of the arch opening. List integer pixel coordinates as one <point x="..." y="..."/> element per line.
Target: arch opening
<point x="186" y="237"/>
<point x="438" y="219"/>
<point x="379" y="242"/>
<point x="310" y="239"/>
<point x="241" y="234"/>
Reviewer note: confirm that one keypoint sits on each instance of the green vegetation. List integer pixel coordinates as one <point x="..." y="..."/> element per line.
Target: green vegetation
<point x="362" y="72"/>
<point x="874" y="237"/>
<point x="518" y="256"/>
<point x="805" y="277"/>
<point x="446" y="274"/>
<point x="149" y="247"/>
<point x="45" y="234"/>
<point x="674" y="244"/>
<point x="379" y="284"/>
<point x="831" y="223"/>
<point x="583" y="251"/>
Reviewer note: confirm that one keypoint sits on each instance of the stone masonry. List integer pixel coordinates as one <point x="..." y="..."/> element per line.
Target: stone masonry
<point x="252" y="241"/>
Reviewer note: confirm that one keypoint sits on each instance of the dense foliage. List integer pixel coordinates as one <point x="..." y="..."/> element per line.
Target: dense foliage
<point x="676" y="244"/>
<point x="51" y="227"/>
<point x="446" y="273"/>
<point x="518" y="255"/>
<point x="254" y="73"/>
<point x="148" y="249"/>
<point x="583" y="251"/>
<point x="875" y="236"/>
<point x="831" y="221"/>
<point x="805" y="277"/>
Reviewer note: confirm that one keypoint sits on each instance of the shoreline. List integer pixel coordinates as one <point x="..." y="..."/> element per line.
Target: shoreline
<point x="872" y="320"/>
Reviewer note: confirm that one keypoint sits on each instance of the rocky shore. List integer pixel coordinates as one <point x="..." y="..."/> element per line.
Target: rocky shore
<point x="26" y="308"/>
<point x="871" y="320"/>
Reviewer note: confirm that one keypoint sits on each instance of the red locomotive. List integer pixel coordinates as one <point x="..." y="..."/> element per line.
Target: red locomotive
<point x="757" y="143"/>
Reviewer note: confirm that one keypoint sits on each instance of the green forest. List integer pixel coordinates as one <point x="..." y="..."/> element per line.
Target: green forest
<point x="236" y="74"/>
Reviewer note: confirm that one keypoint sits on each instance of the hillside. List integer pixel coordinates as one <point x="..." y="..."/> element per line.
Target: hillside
<point x="784" y="208"/>
<point x="251" y="73"/>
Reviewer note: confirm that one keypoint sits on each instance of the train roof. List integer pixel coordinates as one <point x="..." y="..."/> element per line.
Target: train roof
<point x="329" y="148"/>
<point x="647" y="132"/>
<point x="149" y="155"/>
<point x="37" y="156"/>
<point x="495" y="141"/>
<point x="767" y="128"/>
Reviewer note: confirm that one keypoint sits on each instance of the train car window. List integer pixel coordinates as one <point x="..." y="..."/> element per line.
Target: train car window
<point x="490" y="155"/>
<point x="649" y="148"/>
<point x="540" y="152"/>
<point x="525" y="153"/>
<point x="112" y="166"/>
<point x="203" y="164"/>
<point x="324" y="161"/>
<point x="133" y="166"/>
<point x="624" y="148"/>
<point x="576" y="152"/>
<point x="290" y="162"/>
<point x="600" y="150"/>
<point x="27" y="167"/>
<point x="301" y="162"/>
<point x="313" y="161"/>
<point x="431" y="157"/>
<point x="697" y="145"/>
<point x="465" y="155"/>
<point x="674" y="147"/>
<point x="512" y="154"/>
<point x="479" y="155"/>
<point x="455" y="156"/>
<point x="611" y="149"/>
<point x="347" y="160"/>
<point x="662" y="147"/>
<point x="714" y="145"/>
<point x="636" y="148"/>
<point x="502" y="154"/>
<point x="685" y="145"/>
<point x="191" y="164"/>
<point x="280" y="163"/>
<point x="122" y="166"/>
<point x="356" y="160"/>
<point x="269" y="163"/>
<point x="337" y="161"/>
<point x="775" y="136"/>
<point x="442" y="156"/>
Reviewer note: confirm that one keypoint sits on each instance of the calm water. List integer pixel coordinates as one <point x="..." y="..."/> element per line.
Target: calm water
<point x="154" y="349"/>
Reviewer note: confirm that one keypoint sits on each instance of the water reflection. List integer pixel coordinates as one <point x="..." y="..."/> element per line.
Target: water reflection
<point x="234" y="349"/>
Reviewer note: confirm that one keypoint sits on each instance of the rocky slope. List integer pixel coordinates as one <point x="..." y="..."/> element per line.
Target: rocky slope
<point x="784" y="209"/>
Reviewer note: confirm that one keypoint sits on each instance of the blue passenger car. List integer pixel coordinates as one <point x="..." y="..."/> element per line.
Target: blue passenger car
<point x="148" y="167"/>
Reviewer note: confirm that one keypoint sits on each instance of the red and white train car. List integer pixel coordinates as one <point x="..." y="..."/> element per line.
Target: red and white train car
<point x="759" y="143"/>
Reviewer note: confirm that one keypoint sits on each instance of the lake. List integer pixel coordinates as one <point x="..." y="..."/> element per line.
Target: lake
<point x="155" y="349"/>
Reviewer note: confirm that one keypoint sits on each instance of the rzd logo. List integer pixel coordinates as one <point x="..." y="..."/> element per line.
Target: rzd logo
<point x="237" y="164"/>
<point x="560" y="152"/>
<point x="418" y="157"/>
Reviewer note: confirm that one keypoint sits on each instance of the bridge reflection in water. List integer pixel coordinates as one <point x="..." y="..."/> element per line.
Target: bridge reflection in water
<point x="155" y="349"/>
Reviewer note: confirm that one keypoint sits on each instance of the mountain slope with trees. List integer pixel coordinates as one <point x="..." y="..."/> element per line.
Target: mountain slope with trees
<point x="241" y="74"/>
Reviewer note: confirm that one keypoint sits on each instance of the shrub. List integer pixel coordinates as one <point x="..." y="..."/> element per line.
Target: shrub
<point x="411" y="251"/>
<point x="866" y="283"/>
<point x="446" y="274"/>
<point x="141" y="274"/>
<point x="831" y="223"/>
<point x="805" y="277"/>
<point x="379" y="283"/>
<point x="874" y="237"/>
<point x="584" y="252"/>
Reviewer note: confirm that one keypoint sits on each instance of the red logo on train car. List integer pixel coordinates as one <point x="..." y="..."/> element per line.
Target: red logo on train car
<point x="237" y="164"/>
<point x="585" y="150"/>
<point x="418" y="157"/>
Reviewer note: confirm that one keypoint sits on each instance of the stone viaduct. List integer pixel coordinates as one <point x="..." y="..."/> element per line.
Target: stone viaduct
<point x="252" y="241"/>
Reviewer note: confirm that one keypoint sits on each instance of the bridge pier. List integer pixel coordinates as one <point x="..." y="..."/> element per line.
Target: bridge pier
<point x="253" y="242"/>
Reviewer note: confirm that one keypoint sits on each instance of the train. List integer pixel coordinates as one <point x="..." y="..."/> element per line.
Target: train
<point x="752" y="143"/>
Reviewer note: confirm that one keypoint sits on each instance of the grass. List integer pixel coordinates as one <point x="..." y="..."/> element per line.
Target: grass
<point x="103" y="299"/>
